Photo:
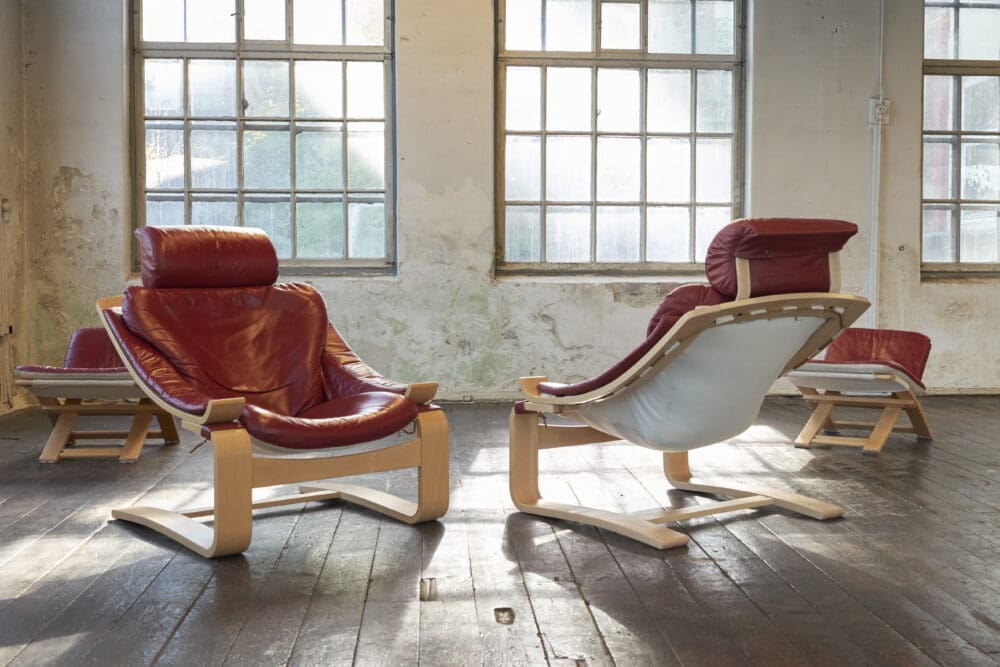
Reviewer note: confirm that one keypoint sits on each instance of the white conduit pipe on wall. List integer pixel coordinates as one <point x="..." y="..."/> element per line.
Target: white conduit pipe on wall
<point x="877" y="112"/>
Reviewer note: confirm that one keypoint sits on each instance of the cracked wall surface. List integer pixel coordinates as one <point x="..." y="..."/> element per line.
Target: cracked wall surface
<point x="813" y="66"/>
<point x="12" y="219"/>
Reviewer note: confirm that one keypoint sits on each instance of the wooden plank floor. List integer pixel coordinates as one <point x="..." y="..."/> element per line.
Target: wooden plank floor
<point x="910" y="576"/>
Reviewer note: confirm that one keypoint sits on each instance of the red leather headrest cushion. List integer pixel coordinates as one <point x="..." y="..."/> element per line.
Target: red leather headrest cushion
<point x="787" y="254"/>
<point x="907" y="350"/>
<point x="91" y="348"/>
<point x="193" y="256"/>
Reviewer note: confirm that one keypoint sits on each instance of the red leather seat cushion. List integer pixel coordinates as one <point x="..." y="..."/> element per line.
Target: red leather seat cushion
<point x="673" y="306"/>
<point x="262" y="343"/>
<point x="343" y="421"/>
<point x="91" y="348"/>
<point x="786" y="254"/>
<point x="195" y="256"/>
<point x="904" y="350"/>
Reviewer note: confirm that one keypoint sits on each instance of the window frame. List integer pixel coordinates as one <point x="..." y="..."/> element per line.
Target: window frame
<point x="239" y="51"/>
<point x="640" y="59"/>
<point x="957" y="68"/>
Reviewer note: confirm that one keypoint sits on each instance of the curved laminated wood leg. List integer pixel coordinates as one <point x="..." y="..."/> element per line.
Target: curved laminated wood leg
<point x="678" y="473"/>
<point x="62" y="431"/>
<point x="432" y="477"/>
<point x="918" y="418"/>
<point x="526" y="438"/>
<point x="168" y="428"/>
<point x="233" y="504"/>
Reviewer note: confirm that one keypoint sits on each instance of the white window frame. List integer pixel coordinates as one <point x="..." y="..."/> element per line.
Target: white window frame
<point x="632" y="59"/>
<point x="285" y="51"/>
<point x="954" y="68"/>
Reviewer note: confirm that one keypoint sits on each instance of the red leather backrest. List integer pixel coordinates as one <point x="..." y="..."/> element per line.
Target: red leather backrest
<point x="264" y="343"/>
<point x="194" y="256"/>
<point x="680" y="301"/>
<point x="906" y="349"/>
<point x="785" y="254"/>
<point x="91" y="348"/>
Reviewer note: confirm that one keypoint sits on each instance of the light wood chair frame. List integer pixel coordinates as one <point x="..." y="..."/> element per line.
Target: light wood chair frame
<point x="823" y="429"/>
<point x="529" y="432"/>
<point x="238" y="469"/>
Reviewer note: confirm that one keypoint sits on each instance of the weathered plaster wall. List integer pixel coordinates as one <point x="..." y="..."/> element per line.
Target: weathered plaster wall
<point x="813" y="68"/>
<point x="13" y="221"/>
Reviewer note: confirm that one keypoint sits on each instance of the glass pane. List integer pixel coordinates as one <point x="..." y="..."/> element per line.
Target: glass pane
<point x="264" y="19"/>
<point x="319" y="229"/>
<point x="669" y="26"/>
<point x="266" y="156"/>
<point x="668" y="234"/>
<point x="265" y="88"/>
<point x="568" y="99"/>
<point x="981" y="102"/>
<point x="213" y="155"/>
<point x="365" y="22"/>
<point x="939" y="32"/>
<point x="163" y="20"/>
<point x="567" y="234"/>
<point x="939" y="235"/>
<point x="619" y="26"/>
<point x="365" y="90"/>
<point x="366" y="230"/>
<point x="715" y="101"/>
<point x="618" y="168"/>
<point x="523" y="169"/>
<point x="164" y="87"/>
<point x="319" y="156"/>
<point x="524" y="98"/>
<point x="211" y="21"/>
<point x="165" y="154"/>
<point x="569" y="25"/>
<point x="618" y="233"/>
<point x="618" y="100"/>
<point x="567" y="169"/>
<point x="939" y="102"/>
<point x="980" y="170"/>
<point x="213" y="87"/>
<point x="214" y="212"/>
<point x="668" y="169"/>
<point x="938" y="169"/>
<point x="366" y="156"/>
<point x="317" y="22"/>
<point x="523" y="234"/>
<point x="980" y="234"/>
<point x="708" y="220"/>
<point x="978" y="34"/>
<point x="274" y="216"/>
<point x="714" y="170"/>
<point x="319" y="89"/>
<point x="164" y="212"/>
<point x="524" y="25"/>
<point x="713" y="29"/>
<point x="668" y="102"/>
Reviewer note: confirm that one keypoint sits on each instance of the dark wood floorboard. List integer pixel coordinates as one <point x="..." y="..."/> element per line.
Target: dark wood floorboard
<point x="909" y="576"/>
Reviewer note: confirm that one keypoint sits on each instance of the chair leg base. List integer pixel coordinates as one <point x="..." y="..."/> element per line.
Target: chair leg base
<point x="647" y="532"/>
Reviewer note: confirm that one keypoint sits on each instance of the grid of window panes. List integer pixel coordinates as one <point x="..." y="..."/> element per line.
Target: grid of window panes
<point x="961" y="133"/>
<point x="619" y="131"/>
<point x="269" y="114"/>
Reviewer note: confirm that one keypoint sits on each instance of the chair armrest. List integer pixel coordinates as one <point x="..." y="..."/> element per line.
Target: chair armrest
<point x="529" y="385"/>
<point x="159" y="379"/>
<point x="421" y="393"/>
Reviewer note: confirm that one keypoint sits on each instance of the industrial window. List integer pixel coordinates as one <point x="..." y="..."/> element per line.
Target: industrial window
<point x="961" y="134"/>
<point x="618" y="132"/>
<point x="269" y="113"/>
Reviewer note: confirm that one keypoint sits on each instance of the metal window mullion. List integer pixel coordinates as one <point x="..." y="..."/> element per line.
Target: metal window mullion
<point x="389" y="168"/>
<point x="289" y="20"/>
<point x="544" y="19"/>
<point x="292" y="160"/>
<point x="593" y="163"/>
<point x="643" y="140"/>
<point x="956" y="228"/>
<point x="543" y="213"/>
<point x="693" y="159"/>
<point x="186" y="137"/>
<point x="240" y="129"/>
<point x="345" y="161"/>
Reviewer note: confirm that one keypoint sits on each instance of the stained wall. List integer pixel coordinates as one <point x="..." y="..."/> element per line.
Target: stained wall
<point x="813" y="67"/>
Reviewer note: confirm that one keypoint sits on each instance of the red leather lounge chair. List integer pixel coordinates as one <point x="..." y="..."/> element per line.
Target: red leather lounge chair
<point x="92" y="372"/>
<point x="257" y="368"/>
<point x="700" y="376"/>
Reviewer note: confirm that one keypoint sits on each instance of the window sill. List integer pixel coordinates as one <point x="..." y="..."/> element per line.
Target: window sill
<point x="934" y="272"/>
